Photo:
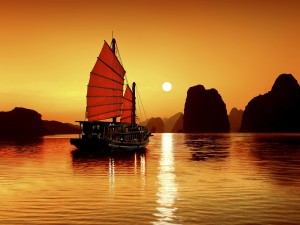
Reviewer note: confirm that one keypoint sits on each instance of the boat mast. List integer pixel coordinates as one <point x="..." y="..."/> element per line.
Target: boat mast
<point x="113" y="45"/>
<point x="113" y="48"/>
<point x="133" y="122"/>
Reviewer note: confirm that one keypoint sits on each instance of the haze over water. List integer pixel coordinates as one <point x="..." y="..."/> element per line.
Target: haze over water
<point x="180" y="179"/>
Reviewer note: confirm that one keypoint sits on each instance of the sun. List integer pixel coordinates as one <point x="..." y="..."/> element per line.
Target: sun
<point x="166" y="86"/>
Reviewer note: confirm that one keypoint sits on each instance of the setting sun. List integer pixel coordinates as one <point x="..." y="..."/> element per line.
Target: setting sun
<point x="167" y="86"/>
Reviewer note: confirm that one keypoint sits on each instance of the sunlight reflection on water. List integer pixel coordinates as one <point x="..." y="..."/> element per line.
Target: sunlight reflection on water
<point x="167" y="190"/>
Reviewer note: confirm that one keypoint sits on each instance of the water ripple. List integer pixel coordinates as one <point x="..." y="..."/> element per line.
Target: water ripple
<point x="180" y="179"/>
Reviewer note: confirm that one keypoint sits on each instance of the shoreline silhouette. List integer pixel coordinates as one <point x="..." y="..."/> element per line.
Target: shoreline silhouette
<point x="274" y="111"/>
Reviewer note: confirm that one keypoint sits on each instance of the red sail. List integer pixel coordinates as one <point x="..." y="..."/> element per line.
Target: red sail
<point x="127" y="106"/>
<point x="105" y="88"/>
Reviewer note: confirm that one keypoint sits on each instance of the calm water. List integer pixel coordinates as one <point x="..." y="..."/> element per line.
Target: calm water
<point x="180" y="179"/>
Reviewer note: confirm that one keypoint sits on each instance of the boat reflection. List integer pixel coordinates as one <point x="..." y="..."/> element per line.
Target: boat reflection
<point x="167" y="190"/>
<point x="208" y="146"/>
<point x="134" y="163"/>
<point x="110" y="165"/>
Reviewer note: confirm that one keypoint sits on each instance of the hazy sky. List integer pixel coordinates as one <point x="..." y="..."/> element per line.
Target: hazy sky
<point x="48" y="48"/>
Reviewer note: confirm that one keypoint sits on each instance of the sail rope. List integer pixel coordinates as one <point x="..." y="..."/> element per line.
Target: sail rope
<point x="120" y="60"/>
<point x="139" y="112"/>
<point x="141" y="103"/>
<point x="118" y="55"/>
<point x="139" y="99"/>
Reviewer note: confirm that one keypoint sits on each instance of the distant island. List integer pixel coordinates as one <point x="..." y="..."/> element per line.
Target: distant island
<point x="174" y="124"/>
<point x="27" y="123"/>
<point x="54" y="127"/>
<point x="276" y="111"/>
<point x="235" y="119"/>
<point x="204" y="111"/>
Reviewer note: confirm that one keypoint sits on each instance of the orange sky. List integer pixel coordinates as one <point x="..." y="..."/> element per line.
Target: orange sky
<point x="49" y="47"/>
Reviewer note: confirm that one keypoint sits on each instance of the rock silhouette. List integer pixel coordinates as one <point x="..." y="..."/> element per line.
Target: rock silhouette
<point x="204" y="111"/>
<point x="21" y="123"/>
<point x="156" y="125"/>
<point x="27" y="123"/>
<point x="178" y="126"/>
<point x="174" y="124"/>
<point x="235" y="119"/>
<point x="171" y="122"/>
<point x="276" y="111"/>
<point x="55" y="127"/>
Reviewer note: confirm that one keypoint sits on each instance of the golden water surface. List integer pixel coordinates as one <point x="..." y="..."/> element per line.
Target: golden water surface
<point x="180" y="179"/>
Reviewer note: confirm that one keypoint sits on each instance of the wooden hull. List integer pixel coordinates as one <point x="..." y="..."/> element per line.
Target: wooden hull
<point x="126" y="146"/>
<point x="102" y="145"/>
<point x="89" y="144"/>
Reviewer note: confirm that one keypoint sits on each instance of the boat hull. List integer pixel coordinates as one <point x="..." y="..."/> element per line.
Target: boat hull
<point x="89" y="144"/>
<point x="114" y="145"/>
<point x="102" y="145"/>
<point x="108" y="136"/>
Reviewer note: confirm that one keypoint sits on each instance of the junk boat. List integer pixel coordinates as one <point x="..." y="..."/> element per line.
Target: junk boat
<point x="106" y="101"/>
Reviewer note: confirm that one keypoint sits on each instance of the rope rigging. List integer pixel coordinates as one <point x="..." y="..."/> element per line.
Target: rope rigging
<point x="139" y="105"/>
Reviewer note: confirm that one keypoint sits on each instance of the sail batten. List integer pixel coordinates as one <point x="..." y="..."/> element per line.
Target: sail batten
<point x="95" y="97"/>
<point x="127" y="117"/>
<point x="100" y="96"/>
<point x="105" y="88"/>
<point x="107" y="78"/>
<point x="104" y="105"/>
<point x="110" y="68"/>
<point x="108" y="58"/>
<point x="116" y="89"/>
<point x="102" y="113"/>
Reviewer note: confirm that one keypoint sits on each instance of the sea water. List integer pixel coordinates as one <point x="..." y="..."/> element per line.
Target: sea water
<point x="179" y="179"/>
